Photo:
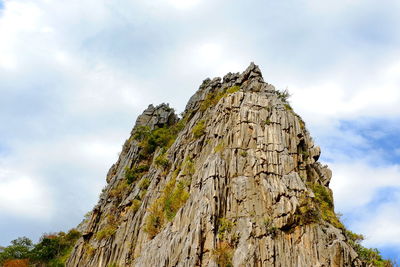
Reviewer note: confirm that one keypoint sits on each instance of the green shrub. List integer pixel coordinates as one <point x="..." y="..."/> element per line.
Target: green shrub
<point x="323" y="198"/>
<point x="288" y="107"/>
<point x="174" y="198"/>
<point x="209" y="101"/>
<point x="225" y="226"/>
<point x="164" y="208"/>
<point x="223" y="254"/>
<point x="199" y="129"/>
<point x="142" y="194"/>
<point x="160" y="137"/>
<point x="135" y="205"/>
<point x="232" y="89"/>
<point x="267" y="121"/>
<point x="213" y="98"/>
<point x="141" y="133"/>
<point x="353" y="237"/>
<point x="322" y="195"/>
<point x="243" y="153"/>
<point x="130" y="175"/>
<point x="135" y="173"/>
<point x="109" y="229"/>
<point x="106" y="232"/>
<point x="219" y="147"/>
<point x="54" y="249"/>
<point x="368" y="255"/>
<point x="144" y="184"/>
<point x="308" y="213"/>
<point x="162" y="161"/>
<point x="188" y="167"/>
<point x="155" y="218"/>
<point x="89" y="250"/>
<point x="373" y="256"/>
<point x="51" y="250"/>
<point x="118" y="190"/>
<point x="180" y="125"/>
<point x="283" y="95"/>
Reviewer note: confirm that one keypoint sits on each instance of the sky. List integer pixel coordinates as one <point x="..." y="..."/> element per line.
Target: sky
<point x="75" y="75"/>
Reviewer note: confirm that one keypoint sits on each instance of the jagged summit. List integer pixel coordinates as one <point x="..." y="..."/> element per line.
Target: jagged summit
<point x="235" y="182"/>
<point x="250" y="80"/>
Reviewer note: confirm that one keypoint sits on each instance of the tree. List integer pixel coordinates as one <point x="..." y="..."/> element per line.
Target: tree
<point x="20" y="248"/>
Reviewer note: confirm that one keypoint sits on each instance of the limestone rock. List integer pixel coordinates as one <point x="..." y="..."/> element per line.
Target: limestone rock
<point x="250" y="171"/>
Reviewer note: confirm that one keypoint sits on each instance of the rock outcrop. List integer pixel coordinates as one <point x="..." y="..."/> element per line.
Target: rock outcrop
<point x="235" y="182"/>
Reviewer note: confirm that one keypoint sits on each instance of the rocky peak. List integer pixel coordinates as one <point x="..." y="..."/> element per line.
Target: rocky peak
<point x="156" y="117"/>
<point x="235" y="182"/>
<point x="250" y="77"/>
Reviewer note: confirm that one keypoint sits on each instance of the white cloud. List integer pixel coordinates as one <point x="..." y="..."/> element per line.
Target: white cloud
<point x="381" y="225"/>
<point x="376" y="96"/>
<point x="17" y="20"/>
<point x="356" y="183"/>
<point x="23" y="196"/>
<point x="56" y="178"/>
<point x="369" y="198"/>
<point x="184" y="4"/>
<point x="209" y="53"/>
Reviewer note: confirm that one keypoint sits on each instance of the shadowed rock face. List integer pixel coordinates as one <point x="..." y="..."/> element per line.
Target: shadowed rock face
<point x="255" y="193"/>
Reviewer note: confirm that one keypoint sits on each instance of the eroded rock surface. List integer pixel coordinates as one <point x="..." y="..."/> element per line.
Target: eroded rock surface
<point x="257" y="195"/>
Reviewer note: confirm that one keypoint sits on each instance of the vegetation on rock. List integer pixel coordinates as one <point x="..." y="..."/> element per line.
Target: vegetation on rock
<point x="144" y="184"/>
<point x="162" y="161"/>
<point x="135" y="173"/>
<point x="199" y="129"/>
<point x="283" y="95"/>
<point x="371" y="256"/>
<point x="324" y="199"/>
<point x="118" y="190"/>
<point x="136" y="203"/>
<point x="243" y="153"/>
<point x="219" y="147"/>
<point x="109" y="229"/>
<point x="164" y="137"/>
<point x="213" y="98"/>
<point x="51" y="250"/>
<point x="188" y="168"/>
<point x="166" y="206"/>
<point x="106" y="232"/>
<point x="224" y="228"/>
<point x="223" y="254"/>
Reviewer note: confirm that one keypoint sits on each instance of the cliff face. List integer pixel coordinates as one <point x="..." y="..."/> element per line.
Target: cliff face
<point x="235" y="182"/>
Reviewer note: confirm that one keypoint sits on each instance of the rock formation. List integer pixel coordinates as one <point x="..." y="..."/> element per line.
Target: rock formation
<point x="235" y="182"/>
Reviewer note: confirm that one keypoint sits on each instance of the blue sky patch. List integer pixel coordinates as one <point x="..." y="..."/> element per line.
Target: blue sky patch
<point x="381" y="135"/>
<point x="383" y="195"/>
<point x="390" y="252"/>
<point x="4" y="150"/>
<point x="374" y="139"/>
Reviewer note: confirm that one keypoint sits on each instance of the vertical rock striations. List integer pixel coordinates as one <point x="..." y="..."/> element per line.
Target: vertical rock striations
<point x="235" y="182"/>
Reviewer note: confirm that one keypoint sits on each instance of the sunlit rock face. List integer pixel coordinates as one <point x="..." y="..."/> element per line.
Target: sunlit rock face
<point x="235" y="182"/>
